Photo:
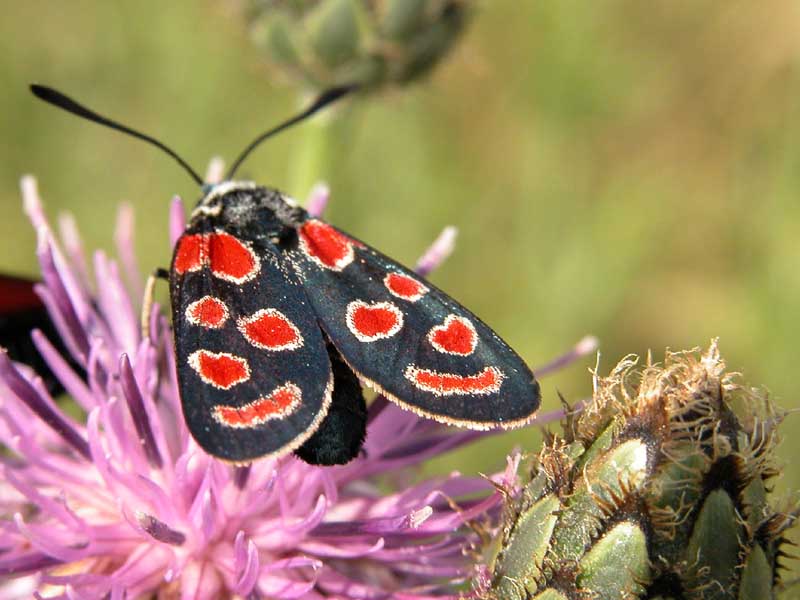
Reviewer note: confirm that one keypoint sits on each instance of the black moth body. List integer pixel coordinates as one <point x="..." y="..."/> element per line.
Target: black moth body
<point x="278" y="316"/>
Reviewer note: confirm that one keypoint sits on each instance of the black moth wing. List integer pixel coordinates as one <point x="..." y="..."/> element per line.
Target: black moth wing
<point x="437" y="358"/>
<point x="285" y="393"/>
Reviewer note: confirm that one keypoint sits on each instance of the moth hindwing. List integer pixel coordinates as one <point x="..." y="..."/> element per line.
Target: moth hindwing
<point x="258" y="290"/>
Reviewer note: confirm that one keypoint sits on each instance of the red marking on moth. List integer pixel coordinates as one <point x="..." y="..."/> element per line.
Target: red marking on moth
<point x="279" y="404"/>
<point x="270" y="329"/>
<point x="404" y="287"/>
<point x="326" y="246"/>
<point x="222" y="370"/>
<point x="190" y="253"/>
<point x="230" y="259"/>
<point x="376" y="321"/>
<point x="209" y="312"/>
<point x="487" y="381"/>
<point x="456" y="336"/>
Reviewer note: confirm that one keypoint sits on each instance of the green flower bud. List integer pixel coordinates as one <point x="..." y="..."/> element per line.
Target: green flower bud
<point x="370" y="42"/>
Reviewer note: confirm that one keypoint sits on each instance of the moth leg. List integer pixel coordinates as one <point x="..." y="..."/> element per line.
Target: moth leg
<point x="341" y="434"/>
<point x="149" y="295"/>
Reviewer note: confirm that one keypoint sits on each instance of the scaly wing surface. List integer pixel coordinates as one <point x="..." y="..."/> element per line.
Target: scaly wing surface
<point x="253" y="372"/>
<point x="409" y="339"/>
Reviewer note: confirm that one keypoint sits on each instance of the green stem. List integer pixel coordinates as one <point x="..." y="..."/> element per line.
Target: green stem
<point x="313" y="156"/>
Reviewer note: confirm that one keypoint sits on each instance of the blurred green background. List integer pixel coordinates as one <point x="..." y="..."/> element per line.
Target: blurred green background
<point x="623" y="168"/>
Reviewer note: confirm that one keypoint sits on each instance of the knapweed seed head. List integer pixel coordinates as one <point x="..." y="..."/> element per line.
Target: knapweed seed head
<point x="659" y="488"/>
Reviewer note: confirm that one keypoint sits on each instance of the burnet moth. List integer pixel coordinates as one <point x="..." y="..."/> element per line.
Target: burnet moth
<point x="278" y="317"/>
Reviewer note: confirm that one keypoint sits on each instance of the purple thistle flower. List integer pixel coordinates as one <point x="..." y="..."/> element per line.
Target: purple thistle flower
<point x="124" y="504"/>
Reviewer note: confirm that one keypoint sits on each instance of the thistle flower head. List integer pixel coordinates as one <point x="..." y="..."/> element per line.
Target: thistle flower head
<point x="121" y="502"/>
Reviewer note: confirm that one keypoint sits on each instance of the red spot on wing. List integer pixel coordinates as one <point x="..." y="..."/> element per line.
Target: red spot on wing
<point x="487" y="381"/>
<point x="279" y="404"/>
<point x="190" y="254"/>
<point x="370" y="322"/>
<point x="270" y="329"/>
<point x="404" y="287"/>
<point x="222" y="370"/>
<point x="207" y="312"/>
<point x="456" y="336"/>
<point x="326" y="246"/>
<point x="230" y="259"/>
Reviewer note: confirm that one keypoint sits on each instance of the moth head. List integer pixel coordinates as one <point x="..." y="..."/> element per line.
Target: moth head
<point x="217" y="196"/>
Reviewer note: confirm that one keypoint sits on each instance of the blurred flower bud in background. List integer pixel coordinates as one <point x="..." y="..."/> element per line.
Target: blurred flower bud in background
<point x="374" y="43"/>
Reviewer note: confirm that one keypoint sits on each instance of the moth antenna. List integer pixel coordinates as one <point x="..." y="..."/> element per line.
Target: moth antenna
<point x="328" y="97"/>
<point x="63" y="102"/>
